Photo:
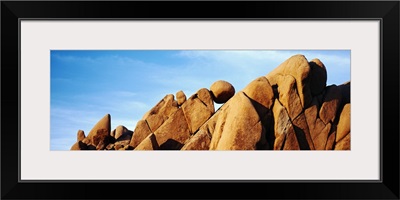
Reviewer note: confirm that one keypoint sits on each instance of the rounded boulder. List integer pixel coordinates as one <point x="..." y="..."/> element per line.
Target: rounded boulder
<point x="222" y="91"/>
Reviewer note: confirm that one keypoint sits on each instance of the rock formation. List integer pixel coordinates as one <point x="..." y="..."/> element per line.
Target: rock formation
<point x="222" y="91"/>
<point x="290" y="108"/>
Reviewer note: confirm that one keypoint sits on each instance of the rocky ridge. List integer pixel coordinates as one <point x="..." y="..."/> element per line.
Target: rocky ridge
<point x="291" y="108"/>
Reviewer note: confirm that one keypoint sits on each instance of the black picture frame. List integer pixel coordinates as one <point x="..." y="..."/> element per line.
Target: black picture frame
<point x="386" y="11"/>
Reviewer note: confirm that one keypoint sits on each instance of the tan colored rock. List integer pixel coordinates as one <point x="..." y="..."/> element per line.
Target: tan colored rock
<point x="344" y="143"/>
<point x="261" y="96"/>
<point x="291" y="142"/>
<point x="149" y="143"/>
<point x="331" y="104"/>
<point x="285" y="136"/>
<point x="279" y="141"/>
<point x="303" y="133"/>
<point x="161" y="112"/>
<point x="110" y="147"/>
<point x="120" y="130"/>
<point x="298" y="67"/>
<point x="141" y="131"/>
<point x="321" y="138"/>
<point x="330" y="143"/>
<point x="174" y="132"/>
<point x="200" y="141"/>
<point x="311" y="114"/>
<point x="100" y="130"/>
<point x="196" y="111"/>
<point x="101" y="145"/>
<point x="318" y="77"/>
<point x="241" y="129"/>
<point x="180" y="97"/>
<point x="120" y="147"/>
<point x="210" y="125"/>
<point x="206" y="97"/>
<point x="318" y="130"/>
<point x="215" y="126"/>
<point x="124" y="139"/>
<point x="170" y="136"/>
<point x="80" y="135"/>
<point x="260" y="91"/>
<point x="101" y="139"/>
<point x="343" y="127"/>
<point x="282" y="124"/>
<point x="288" y="96"/>
<point x="222" y="91"/>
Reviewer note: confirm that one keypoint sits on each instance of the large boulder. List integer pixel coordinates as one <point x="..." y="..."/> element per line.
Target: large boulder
<point x="285" y="137"/>
<point x="330" y="143"/>
<point x="200" y="141"/>
<point x="222" y="91"/>
<point x="161" y="112"/>
<point x="174" y="132"/>
<point x="311" y="114"/>
<point x="343" y="127"/>
<point x="118" y="131"/>
<point x="170" y="136"/>
<point x="141" y="131"/>
<point x="298" y="67"/>
<point x="101" y="139"/>
<point x="180" y="97"/>
<point x="100" y="131"/>
<point x="260" y="91"/>
<point x="198" y="109"/>
<point x="320" y="138"/>
<point x="288" y="95"/>
<point x="344" y="143"/>
<point x="149" y="143"/>
<point x="318" y="129"/>
<point x="124" y="140"/>
<point x="239" y="128"/>
<point x="331" y="104"/>
<point x="210" y="125"/>
<point x="80" y="135"/>
<point x="303" y="133"/>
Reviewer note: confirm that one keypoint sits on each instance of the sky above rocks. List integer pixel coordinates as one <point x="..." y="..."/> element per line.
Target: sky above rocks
<point x="87" y="84"/>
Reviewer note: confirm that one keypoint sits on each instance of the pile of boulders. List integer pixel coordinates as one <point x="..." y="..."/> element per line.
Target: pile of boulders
<point x="291" y="108"/>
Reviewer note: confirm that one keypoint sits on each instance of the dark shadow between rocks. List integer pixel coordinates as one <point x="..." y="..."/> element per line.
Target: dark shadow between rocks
<point x="171" y="144"/>
<point x="154" y="142"/>
<point x="267" y="138"/>
<point x="301" y="138"/>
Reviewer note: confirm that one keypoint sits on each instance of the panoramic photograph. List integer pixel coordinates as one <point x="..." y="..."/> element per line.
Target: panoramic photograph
<point x="136" y="100"/>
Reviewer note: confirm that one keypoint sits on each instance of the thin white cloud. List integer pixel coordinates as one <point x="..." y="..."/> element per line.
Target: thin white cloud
<point x="252" y="64"/>
<point x="259" y="56"/>
<point x="114" y="60"/>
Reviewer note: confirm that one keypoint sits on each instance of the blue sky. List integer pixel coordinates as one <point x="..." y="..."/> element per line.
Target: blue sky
<point x="87" y="84"/>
